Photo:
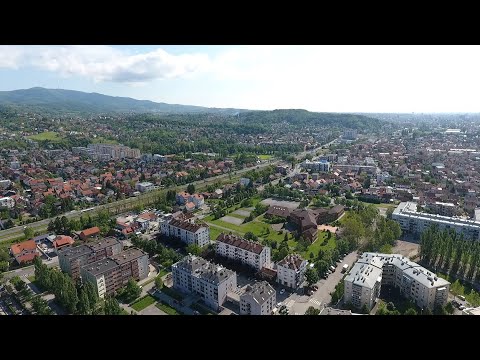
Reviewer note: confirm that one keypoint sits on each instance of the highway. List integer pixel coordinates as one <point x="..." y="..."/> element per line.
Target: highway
<point x="143" y="199"/>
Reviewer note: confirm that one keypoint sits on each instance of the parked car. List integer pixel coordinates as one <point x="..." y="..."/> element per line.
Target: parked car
<point x="282" y="291"/>
<point x="461" y="297"/>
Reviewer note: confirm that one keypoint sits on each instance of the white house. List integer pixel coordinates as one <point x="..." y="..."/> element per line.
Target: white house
<point x="144" y="186"/>
<point x="7" y="202"/>
<point x="291" y="271"/>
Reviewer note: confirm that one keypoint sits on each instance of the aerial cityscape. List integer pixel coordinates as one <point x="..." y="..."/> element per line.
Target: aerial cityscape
<point x="249" y="180"/>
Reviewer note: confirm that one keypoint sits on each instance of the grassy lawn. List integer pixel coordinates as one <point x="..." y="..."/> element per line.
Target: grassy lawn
<point x="31" y="278"/>
<point x="317" y="245"/>
<point x="238" y="216"/>
<point x="143" y="302"/>
<point x="167" y="309"/>
<point x="214" y="232"/>
<point x="265" y="157"/>
<point x="48" y="135"/>
<point x="172" y="293"/>
<point x="124" y="312"/>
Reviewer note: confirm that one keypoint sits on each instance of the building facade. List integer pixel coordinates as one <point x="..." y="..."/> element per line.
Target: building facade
<point x="209" y="281"/>
<point x="73" y="258"/>
<point x="187" y="231"/>
<point x="247" y="252"/>
<point x="291" y="271"/>
<point x="372" y="270"/>
<point x="258" y="299"/>
<point x="111" y="274"/>
<point x="415" y="222"/>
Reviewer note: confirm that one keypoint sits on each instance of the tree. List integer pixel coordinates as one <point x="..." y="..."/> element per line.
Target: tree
<point x="28" y="232"/>
<point x="311" y="276"/>
<point x="132" y="291"/>
<point x="312" y="311"/>
<point x="365" y="309"/>
<point x="411" y="311"/>
<point x="193" y="249"/>
<point x="389" y="213"/>
<point x="84" y="307"/>
<point x="158" y="282"/>
<point x="112" y="307"/>
<point x="191" y="188"/>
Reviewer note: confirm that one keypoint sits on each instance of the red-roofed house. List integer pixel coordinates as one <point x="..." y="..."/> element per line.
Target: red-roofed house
<point x="89" y="233"/>
<point x="24" y="252"/>
<point x="62" y="241"/>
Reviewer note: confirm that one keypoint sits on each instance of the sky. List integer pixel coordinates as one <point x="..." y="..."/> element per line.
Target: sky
<point x="333" y="78"/>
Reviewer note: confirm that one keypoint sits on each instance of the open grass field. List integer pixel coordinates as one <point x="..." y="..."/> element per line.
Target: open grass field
<point x="48" y="135"/>
<point x="318" y="245"/>
<point x="143" y="302"/>
<point x="265" y="157"/>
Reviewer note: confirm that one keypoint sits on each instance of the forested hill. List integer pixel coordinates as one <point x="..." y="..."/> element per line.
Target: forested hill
<point x="304" y="118"/>
<point x="69" y="101"/>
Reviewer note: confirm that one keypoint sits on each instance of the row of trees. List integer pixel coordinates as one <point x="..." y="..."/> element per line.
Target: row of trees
<point x="163" y="255"/>
<point x="451" y="252"/>
<point x="65" y="226"/>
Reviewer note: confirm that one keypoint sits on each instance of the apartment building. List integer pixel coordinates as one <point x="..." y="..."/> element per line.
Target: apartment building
<point x="114" y="151"/>
<point x="415" y="222"/>
<point x="363" y="282"/>
<point x="258" y="299"/>
<point x="321" y="165"/>
<point x="144" y="186"/>
<point x="291" y="271"/>
<point x="209" y="281"/>
<point x="111" y="274"/>
<point x="442" y="208"/>
<point x="247" y="252"/>
<point x="187" y="231"/>
<point x="350" y="134"/>
<point x="73" y="258"/>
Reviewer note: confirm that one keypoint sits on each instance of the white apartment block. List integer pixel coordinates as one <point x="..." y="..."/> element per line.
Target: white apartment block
<point x="211" y="282"/>
<point x="144" y="186"/>
<point x="322" y="165"/>
<point x="422" y="287"/>
<point x="291" y="271"/>
<point x="415" y="222"/>
<point x="247" y="252"/>
<point x="188" y="232"/>
<point x="258" y="299"/>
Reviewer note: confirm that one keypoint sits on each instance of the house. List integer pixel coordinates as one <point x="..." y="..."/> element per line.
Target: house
<point x="329" y="215"/>
<point x="306" y="221"/>
<point x="24" y="252"/>
<point x="89" y="233"/>
<point x="189" y="206"/>
<point x="62" y="241"/>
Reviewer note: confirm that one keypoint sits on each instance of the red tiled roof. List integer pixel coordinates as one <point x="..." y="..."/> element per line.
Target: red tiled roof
<point x="241" y="243"/>
<point x="26" y="245"/>
<point x="92" y="231"/>
<point x="62" y="240"/>
<point x="26" y="258"/>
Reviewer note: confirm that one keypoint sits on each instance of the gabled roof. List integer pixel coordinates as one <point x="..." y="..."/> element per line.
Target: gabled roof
<point x="25" y="245"/>
<point x="91" y="231"/>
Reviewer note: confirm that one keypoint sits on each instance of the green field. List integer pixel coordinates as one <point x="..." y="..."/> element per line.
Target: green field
<point x="265" y="157"/>
<point x="163" y="272"/>
<point x="48" y="135"/>
<point x="317" y="245"/>
<point x="167" y="309"/>
<point x="143" y="302"/>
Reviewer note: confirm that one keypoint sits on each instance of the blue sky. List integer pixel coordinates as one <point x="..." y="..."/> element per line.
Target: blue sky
<point x="316" y="78"/>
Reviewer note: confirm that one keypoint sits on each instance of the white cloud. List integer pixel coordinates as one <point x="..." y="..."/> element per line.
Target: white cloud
<point x="103" y="63"/>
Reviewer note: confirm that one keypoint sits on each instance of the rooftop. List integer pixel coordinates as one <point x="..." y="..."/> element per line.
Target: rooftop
<point x="186" y="225"/>
<point x="292" y="261"/>
<point x="204" y="269"/>
<point x="241" y="243"/>
<point x="101" y="266"/>
<point x="128" y="255"/>
<point x="260" y="292"/>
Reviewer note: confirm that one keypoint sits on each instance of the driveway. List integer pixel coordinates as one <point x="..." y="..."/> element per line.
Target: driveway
<point x="151" y="310"/>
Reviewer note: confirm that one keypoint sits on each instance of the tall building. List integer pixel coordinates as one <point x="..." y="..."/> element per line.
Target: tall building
<point x="415" y="222"/>
<point x="187" y="231"/>
<point x="247" y="252"/>
<point x="470" y="201"/>
<point x="114" y="152"/>
<point x="322" y="165"/>
<point x="291" y="271"/>
<point x="209" y="281"/>
<point x="258" y="299"/>
<point x="363" y="282"/>
<point x="350" y="134"/>
<point x="73" y="258"/>
<point x="111" y="274"/>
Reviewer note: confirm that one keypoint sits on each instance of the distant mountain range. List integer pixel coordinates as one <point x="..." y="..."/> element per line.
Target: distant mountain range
<point x="70" y="101"/>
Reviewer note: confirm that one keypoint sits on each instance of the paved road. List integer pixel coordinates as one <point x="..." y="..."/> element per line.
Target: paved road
<point x="298" y="304"/>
